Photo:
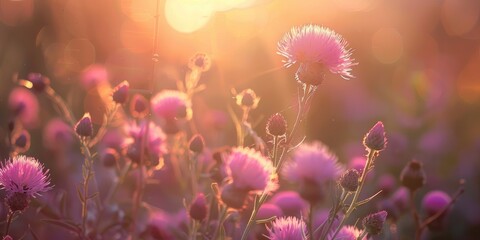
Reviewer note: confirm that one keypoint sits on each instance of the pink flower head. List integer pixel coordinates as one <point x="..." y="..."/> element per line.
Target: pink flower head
<point x="24" y="174"/>
<point x="290" y="202"/>
<point x="57" y="134"/>
<point x="250" y="171"/>
<point x="94" y="75"/>
<point x="313" y="162"/>
<point x="435" y="201"/>
<point x="310" y="44"/>
<point x="287" y="228"/>
<point x="171" y="104"/>
<point x="155" y="145"/>
<point x="346" y="233"/>
<point x="24" y="105"/>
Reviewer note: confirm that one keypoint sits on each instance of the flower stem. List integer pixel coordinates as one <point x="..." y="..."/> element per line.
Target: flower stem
<point x="310" y="221"/>
<point x="9" y="221"/>
<point x="256" y="207"/>
<point x="221" y="220"/>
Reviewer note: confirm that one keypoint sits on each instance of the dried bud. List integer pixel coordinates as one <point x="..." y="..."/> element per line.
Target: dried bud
<point x="349" y="180"/>
<point x="247" y="99"/>
<point x="196" y="143"/>
<point x="413" y="177"/>
<point x="120" y="92"/>
<point x="21" y="141"/>
<point x="434" y="202"/>
<point x="233" y="197"/>
<point x="109" y="157"/>
<point x="84" y="127"/>
<point x="310" y="73"/>
<point x="198" y="209"/>
<point x="276" y="125"/>
<point x="139" y="106"/>
<point x="18" y="201"/>
<point x="375" y="139"/>
<point x="373" y="223"/>
<point x="39" y="82"/>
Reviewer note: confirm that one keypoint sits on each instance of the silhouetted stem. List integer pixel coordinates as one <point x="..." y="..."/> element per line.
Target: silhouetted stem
<point x="9" y="221"/>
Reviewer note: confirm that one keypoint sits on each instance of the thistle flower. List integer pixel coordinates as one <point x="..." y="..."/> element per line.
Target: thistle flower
<point x="84" y="127"/>
<point x="347" y="233"/>
<point x="200" y="61"/>
<point x="139" y="106"/>
<point x="155" y="145"/>
<point x="57" y="134"/>
<point x="171" y="104"/>
<point x="375" y="138"/>
<point x="316" y="49"/>
<point x="290" y="202"/>
<point x="349" y="180"/>
<point x="23" y="178"/>
<point x="373" y="223"/>
<point x="24" y="106"/>
<point x="94" y="75"/>
<point x="434" y="202"/>
<point x="287" y="228"/>
<point x="39" y="82"/>
<point x="412" y="176"/>
<point x="313" y="166"/>
<point x="276" y="125"/>
<point x="120" y="92"/>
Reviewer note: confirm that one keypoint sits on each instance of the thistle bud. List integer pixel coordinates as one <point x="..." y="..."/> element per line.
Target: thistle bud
<point x="373" y="223"/>
<point x="84" y="127"/>
<point x="276" y="125"/>
<point x="247" y="98"/>
<point x="120" y="92"/>
<point x="39" y="82"/>
<point x="412" y="176"/>
<point x="109" y="157"/>
<point x="375" y="139"/>
<point x="139" y="106"/>
<point x="18" y="201"/>
<point x="349" y="180"/>
<point x="198" y="209"/>
<point x="196" y="144"/>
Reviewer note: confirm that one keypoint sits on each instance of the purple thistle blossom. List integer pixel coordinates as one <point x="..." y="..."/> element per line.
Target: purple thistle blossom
<point x="155" y="145"/>
<point x="287" y="228"/>
<point x="347" y="233"/>
<point x="314" y="44"/>
<point x="171" y="104"/>
<point x="24" y="174"/>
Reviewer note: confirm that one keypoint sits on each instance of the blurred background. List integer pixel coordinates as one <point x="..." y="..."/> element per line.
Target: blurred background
<point x="418" y="71"/>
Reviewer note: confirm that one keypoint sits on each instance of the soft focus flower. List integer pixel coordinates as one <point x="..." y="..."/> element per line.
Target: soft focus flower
<point x="159" y="226"/>
<point x="247" y="99"/>
<point x="434" y="202"/>
<point x="171" y="104"/>
<point x="412" y="176"/>
<point x="268" y="210"/>
<point x="375" y="138"/>
<point x="139" y="107"/>
<point x="287" y="228"/>
<point x="196" y="143"/>
<point x="94" y="75"/>
<point x="24" y="106"/>
<point x="120" y="92"/>
<point x="109" y="157"/>
<point x="39" y="82"/>
<point x="276" y="125"/>
<point x="23" y="178"/>
<point x="290" y="202"/>
<point x="347" y="233"/>
<point x="21" y="141"/>
<point x="155" y="145"/>
<point x="316" y="47"/>
<point x="200" y="61"/>
<point x="198" y="209"/>
<point x="250" y="171"/>
<point x="313" y="166"/>
<point x="57" y="134"/>
<point x="373" y="223"/>
<point x="401" y="199"/>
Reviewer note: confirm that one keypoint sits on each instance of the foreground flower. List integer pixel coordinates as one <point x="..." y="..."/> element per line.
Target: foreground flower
<point x="287" y="228"/>
<point x="316" y="48"/>
<point x="23" y="178"/>
<point x="249" y="171"/>
<point x="347" y="233"/>
<point x="312" y="168"/>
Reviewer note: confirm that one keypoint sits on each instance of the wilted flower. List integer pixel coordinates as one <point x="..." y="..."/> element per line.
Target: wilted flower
<point x="276" y="125"/>
<point x="412" y="176"/>
<point x="247" y="99"/>
<point x="287" y="228"/>
<point x="23" y="178"/>
<point x="347" y="233"/>
<point x="120" y="92"/>
<point x="200" y="61"/>
<point x="84" y="127"/>
<point x="375" y="138"/>
<point x="373" y="223"/>
<point x="171" y="104"/>
<point x="24" y="106"/>
<point x="155" y="145"/>
<point x="139" y="107"/>
<point x="433" y="203"/>
<point x="313" y="166"/>
<point x="316" y="49"/>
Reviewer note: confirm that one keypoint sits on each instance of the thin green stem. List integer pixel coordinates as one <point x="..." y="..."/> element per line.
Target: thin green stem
<point x="251" y="221"/>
